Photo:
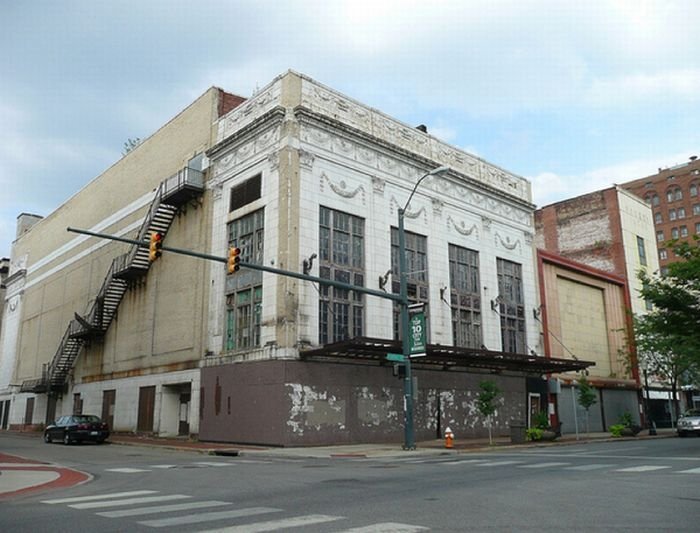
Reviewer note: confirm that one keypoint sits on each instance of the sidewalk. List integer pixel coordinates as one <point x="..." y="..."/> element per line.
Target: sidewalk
<point x="20" y="476"/>
<point x="432" y="447"/>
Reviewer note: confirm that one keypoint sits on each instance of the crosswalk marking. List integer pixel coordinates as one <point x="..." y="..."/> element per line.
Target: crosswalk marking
<point x="208" y="517"/>
<point x="163" y="509"/>
<point x="163" y="466"/>
<point x="465" y="462"/>
<point x="128" y="501"/>
<point x="586" y="468"/>
<point x="212" y="463"/>
<point x="643" y="468"/>
<point x="100" y="497"/>
<point x="274" y="525"/>
<point x="386" y="527"/>
<point x="126" y="470"/>
<point x="543" y="465"/>
<point x="499" y="463"/>
<point x="691" y="471"/>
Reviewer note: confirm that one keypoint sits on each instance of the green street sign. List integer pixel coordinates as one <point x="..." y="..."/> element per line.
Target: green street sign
<point x="396" y="357"/>
<point x="416" y="337"/>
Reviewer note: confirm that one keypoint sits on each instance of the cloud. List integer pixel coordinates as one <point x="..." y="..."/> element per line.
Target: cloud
<point x="640" y="88"/>
<point x="549" y="187"/>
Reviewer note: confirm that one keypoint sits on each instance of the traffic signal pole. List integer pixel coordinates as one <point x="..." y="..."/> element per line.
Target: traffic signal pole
<point x="263" y="268"/>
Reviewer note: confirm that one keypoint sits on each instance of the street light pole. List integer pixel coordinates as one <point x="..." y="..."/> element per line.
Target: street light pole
<point x="409" y="434"/>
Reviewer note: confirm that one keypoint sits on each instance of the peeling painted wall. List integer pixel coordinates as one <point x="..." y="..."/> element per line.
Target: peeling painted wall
<point x="294" y="403"/>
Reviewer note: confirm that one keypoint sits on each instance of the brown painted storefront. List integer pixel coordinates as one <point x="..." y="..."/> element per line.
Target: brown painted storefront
<point x="351" y="395"/>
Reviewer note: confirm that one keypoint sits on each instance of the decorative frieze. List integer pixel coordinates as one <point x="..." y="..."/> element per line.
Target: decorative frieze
<point x="506" y="242"/>
<point x="462" y="228"/>
<point x="249" y="110"/>
<point x="341" y="188"/>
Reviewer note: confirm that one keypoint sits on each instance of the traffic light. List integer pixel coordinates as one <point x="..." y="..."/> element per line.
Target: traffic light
<point x="234" y="259"/>
<point x="156" y="246"/>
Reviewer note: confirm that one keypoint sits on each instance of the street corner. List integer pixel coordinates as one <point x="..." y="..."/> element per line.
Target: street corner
<point x="20" y="476"/>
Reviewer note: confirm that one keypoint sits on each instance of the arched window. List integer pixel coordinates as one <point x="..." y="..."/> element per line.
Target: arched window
<point x="673" y="194"/>
<point x="693" y="189"/>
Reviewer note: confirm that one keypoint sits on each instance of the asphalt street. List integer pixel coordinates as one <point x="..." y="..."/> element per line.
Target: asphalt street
<point x="634" y="485"/>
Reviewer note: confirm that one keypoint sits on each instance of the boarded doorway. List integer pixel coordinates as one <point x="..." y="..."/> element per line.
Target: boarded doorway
<point x="147" y="404"/>
<point x="29" y="412"/>
<point x="108" y="399"/>
<point x="184" y="422"/>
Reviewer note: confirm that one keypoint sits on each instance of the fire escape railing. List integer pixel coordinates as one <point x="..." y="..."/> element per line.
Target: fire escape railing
<point x="171" y="195"/>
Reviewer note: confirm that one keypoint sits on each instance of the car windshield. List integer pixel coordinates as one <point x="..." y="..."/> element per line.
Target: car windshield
<point x="692" y="412"/>
<point x="86" y="419"/>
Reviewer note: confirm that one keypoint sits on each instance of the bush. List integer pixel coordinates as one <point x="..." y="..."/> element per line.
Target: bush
<point x="534" y="433"/>
<point x="616" y="430"/>
<point x="540" y="420"/>
<point x="626" y="419"/>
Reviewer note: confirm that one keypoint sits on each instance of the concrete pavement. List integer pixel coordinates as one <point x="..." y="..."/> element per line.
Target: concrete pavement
<point x="19" y="475"/>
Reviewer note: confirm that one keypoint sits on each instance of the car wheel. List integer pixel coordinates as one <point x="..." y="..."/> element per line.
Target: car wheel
<point x="66" y="439"/>
<point x="682" y="434"/>
<point x="47" y="438"/>
<point x="101" y="441"/>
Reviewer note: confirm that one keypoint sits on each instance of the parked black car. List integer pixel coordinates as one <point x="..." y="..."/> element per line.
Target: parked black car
<point x="77" y="428"/>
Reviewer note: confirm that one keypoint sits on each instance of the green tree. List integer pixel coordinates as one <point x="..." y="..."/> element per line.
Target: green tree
<point x="486" y="403"/>
<point x="587" y="396"/>
<point x="668" y="337"/>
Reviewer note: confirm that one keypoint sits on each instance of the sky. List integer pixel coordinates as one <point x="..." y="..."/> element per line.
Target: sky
<point x="574" y="96"/>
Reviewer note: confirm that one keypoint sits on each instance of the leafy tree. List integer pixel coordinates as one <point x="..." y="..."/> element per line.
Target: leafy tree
<point x="486" y="403"/>
<point x="587" y="396"/>
<point x="668" y="337"/>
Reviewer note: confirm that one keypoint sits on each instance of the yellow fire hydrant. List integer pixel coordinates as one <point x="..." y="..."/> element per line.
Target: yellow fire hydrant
<point x="449" y="436"/>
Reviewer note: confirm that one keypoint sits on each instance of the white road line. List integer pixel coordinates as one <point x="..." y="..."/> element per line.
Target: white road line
<point x="163" y="466"/>
<point x="543" y="465"/>
<point x="163" y="509"/>
<point x="126" y="470"/>
<point x="643" y="468"/>
<point x="586" y="468"/>
<point x="100" y="497"/>
<point x="499" y="463"/>
<point x="208" y="517"/>
<point x="465" y="462"/>
<point x="205" y="463"/>
<point x="691" y="471"/>
<point x="274" y="525"/>
<point x="386" y="527"/>
<point x="129" y="501"/>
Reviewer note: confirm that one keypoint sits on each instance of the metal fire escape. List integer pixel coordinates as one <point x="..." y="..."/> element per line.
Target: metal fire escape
<point x="172" y="194"/>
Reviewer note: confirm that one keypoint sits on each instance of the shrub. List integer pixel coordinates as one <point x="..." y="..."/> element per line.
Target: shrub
<point x="626" y="419"/>
<point x="540" y="420"/>
<point x="534" y="433"/>
<point x="616" y="430"/>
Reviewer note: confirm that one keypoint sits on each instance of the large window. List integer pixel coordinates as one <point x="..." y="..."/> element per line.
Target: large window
<point x="243" y="312"/>
<point x="465" y="297"/>
<point x="244" y="288"/>
<point x="416" y="273"/>
<point x="341" y="258"/>
<point x="511" y="306"/>
<point x="247" y="233"/>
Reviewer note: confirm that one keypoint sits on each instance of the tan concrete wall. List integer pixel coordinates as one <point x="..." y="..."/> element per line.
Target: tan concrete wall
<point x="65" y="271"/>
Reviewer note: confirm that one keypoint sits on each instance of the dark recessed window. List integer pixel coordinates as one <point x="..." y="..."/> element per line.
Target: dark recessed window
<point x="246" y="192"/>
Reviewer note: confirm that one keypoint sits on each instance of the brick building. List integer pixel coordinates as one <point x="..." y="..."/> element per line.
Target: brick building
<point x="674" y="196"/>
<point x="611" y="232"/>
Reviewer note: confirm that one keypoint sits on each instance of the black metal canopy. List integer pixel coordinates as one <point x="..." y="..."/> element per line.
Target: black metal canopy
<point x="446" y="357"/>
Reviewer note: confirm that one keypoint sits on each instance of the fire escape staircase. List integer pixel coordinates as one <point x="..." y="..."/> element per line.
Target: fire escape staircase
<point x="172" y="194"/>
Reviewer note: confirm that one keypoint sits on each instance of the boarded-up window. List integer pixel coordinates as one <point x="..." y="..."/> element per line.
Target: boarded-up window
<point x="246" y="192"/>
